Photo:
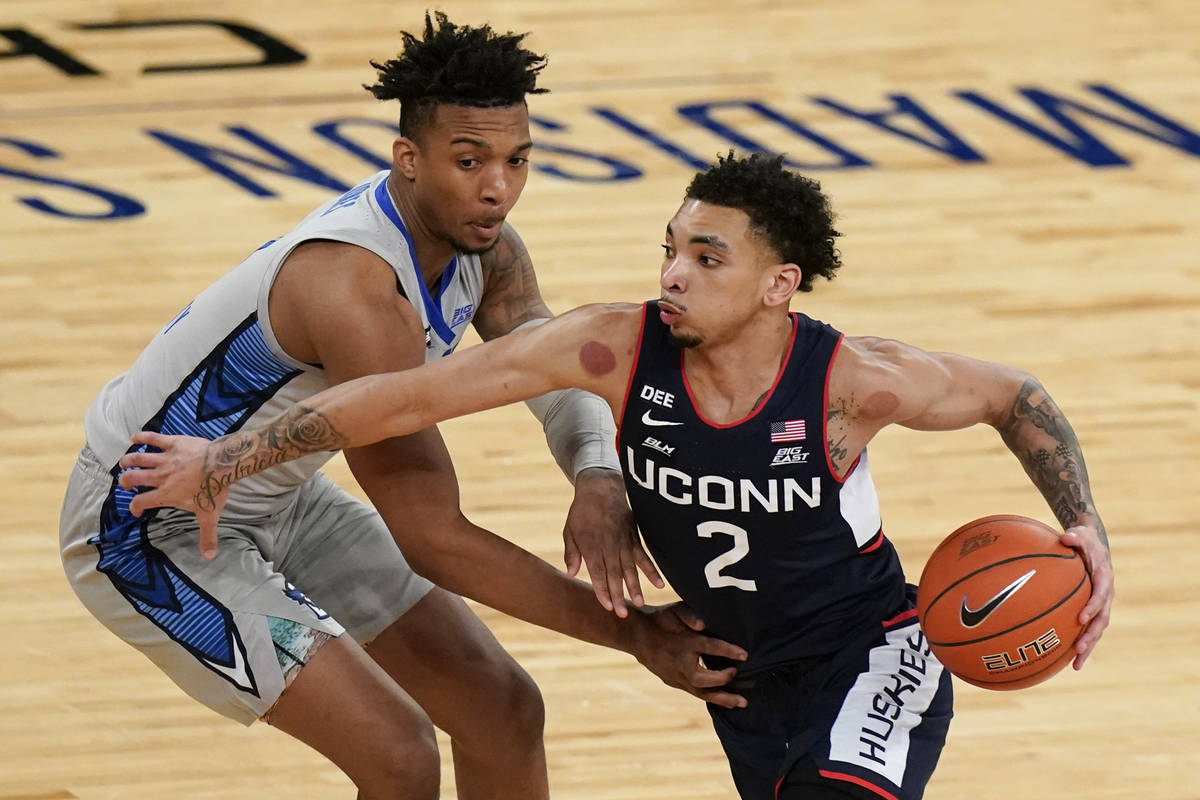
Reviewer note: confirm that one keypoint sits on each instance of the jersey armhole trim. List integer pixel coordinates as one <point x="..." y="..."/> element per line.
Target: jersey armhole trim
<point x="637" y="354"/>
<point x="263" y="306"/>
<point x="837" y="347"/>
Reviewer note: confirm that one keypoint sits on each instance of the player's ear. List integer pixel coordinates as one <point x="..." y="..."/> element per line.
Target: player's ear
<point x="404" y="157"/>
<point x="783" y="281"/>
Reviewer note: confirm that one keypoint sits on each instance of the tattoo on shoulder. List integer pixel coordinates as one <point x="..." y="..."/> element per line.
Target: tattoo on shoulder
<point x="511" y="296"/>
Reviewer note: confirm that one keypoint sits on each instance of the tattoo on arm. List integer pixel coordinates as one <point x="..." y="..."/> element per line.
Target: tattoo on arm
<point x="838" y="453"/>
<point x="842" y="412"/>
<point x="295" y="433"/>
<point x="511" y="296"/>
<point x="1042" y="439"/>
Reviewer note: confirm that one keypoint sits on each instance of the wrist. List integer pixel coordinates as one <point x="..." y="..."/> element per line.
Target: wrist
<point x="1083" y="519"/>
<point x="1091" y="521"/>
<point x="600" y="472"/>
<point x="638" y="631"/>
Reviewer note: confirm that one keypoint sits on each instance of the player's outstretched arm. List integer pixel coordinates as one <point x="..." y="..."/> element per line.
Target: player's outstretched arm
<point x="893" y="382"/>
<point x="195" y="474"/>
<point x="599" y="528"/>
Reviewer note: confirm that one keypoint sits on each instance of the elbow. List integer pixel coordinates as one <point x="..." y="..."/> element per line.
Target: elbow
<point x="1025" y="390"/>
<point x="1021" y="394"/>
<point x="421" y="563"/>
<point x="433" y="554"/>
<point x="428" y="563"/>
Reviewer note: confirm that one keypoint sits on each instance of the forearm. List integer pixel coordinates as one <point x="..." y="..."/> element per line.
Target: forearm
<point x="352" y="414"/>
<point x="476" y="563"/>
<point x="1038" y="433"/>
<point x="579" y="430"/>
<point x="297" y="432"/>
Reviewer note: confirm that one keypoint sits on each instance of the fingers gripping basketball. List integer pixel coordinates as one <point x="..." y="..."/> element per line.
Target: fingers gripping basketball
<point x="999" y="600"/>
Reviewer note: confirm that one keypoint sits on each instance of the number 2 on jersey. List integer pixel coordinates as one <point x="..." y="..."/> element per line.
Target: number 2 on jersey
<point x="741" y="546"/>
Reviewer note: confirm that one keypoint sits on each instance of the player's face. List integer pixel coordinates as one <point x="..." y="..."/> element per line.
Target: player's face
<point x="713" y="278"/>
<point x="470" y="167"/>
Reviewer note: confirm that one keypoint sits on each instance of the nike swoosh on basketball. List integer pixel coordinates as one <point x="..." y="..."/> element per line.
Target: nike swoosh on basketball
<point x="974" y="617"/>
<point x="649" y="420"/>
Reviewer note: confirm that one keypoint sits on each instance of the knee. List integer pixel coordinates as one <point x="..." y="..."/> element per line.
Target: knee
<point x="519" y="708"/>
<point x="409" y="767"/>
<point x="526" y="706"/>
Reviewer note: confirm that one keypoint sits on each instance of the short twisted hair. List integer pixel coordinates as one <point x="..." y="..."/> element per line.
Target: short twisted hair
<point x="458" y="65"/>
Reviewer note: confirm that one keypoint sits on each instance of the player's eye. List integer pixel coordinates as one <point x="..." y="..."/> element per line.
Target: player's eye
<point x="668" y="251"/>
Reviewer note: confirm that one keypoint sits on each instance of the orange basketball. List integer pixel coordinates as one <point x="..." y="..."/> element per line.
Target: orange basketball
<point x="999" y="602"/>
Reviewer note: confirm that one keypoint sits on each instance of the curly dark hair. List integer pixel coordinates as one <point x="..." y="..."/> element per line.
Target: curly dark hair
<point x="459" y="65"/>
<point x="787" y="210"/>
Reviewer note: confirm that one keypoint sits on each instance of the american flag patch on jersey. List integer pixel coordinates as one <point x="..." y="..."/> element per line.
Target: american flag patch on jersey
<point x="791" y="430"/>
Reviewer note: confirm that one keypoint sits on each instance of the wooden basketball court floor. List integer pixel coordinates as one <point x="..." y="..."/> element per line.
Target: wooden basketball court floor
<point x="1015" y="180"/>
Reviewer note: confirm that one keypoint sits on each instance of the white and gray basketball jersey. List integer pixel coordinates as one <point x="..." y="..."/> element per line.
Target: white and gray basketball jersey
<point x="217" y="367"/>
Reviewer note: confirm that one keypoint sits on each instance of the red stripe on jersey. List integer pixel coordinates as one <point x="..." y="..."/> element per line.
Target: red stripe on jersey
<point x="873" y="544"/>
<point x="904" y="616"/>
<point x="841" y="776"/>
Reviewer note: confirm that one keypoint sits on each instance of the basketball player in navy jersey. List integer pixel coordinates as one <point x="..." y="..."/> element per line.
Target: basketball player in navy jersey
<point x="743" y="435"/>
<point x="385" y="277"/>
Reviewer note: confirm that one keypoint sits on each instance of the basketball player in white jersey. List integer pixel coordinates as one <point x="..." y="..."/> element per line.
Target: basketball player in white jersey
<point x="743" y="437"/>
<point x="307" y="615"/>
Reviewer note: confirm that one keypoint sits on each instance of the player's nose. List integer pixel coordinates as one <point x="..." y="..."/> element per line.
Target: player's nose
<point x="495" y="188"/>
<point x="672" y="277"/>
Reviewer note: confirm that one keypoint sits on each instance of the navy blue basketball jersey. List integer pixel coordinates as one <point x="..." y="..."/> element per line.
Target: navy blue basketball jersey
<point x="747" y="519"/>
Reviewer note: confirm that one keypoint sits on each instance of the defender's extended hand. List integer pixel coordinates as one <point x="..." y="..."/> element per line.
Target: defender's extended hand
<point x="1095" y="615"/>
<point x="176" y="477"/>
<point x="601" y="533"/>
<point x="671" y="647"/>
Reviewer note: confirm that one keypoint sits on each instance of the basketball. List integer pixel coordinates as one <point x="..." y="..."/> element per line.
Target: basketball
<point x="999" y="602"/>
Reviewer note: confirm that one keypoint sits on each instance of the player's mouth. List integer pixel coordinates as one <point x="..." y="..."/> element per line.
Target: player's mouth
<point x="488" y="228"/>
<point x="668" y="311"/>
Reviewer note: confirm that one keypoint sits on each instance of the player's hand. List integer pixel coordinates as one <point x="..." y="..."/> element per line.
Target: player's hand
<point x="670" y="645"/>
<point x="1091" y="545"/>
<point x="174" y="472"/>
<point x="601" y="533"/>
